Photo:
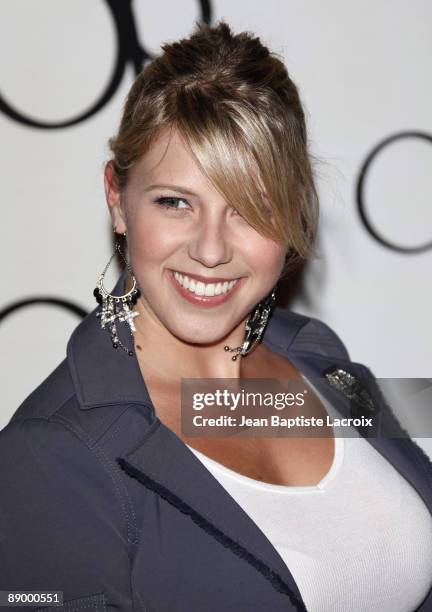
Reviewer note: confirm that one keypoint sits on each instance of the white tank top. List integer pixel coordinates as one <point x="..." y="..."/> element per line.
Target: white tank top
<point x="360" y="540"/>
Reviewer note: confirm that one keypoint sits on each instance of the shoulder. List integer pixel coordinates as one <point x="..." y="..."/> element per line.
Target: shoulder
<point x="54" y="454"/>
<point x="51" y="440"/>
<point x="60" y="479"/>
<point x="46" y="440"/>
<point x="55" y="404"/>
<point x="305" y="334"/>
<point x="53" y="408"/>
<point x="319" y="337"/>
<point x="49" y="396"/>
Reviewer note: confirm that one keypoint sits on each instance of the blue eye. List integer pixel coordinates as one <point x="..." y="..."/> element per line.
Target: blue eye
<point x="170" y="202"/>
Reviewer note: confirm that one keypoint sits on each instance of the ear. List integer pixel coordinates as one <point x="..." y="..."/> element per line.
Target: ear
<point x="113" y="198"/>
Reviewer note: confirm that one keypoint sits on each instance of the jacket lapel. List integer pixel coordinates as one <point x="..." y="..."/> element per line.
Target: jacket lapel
<point x="165" y="465"/>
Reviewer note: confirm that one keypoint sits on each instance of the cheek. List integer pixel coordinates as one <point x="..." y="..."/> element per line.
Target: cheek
<point x="265" y="257"/>
<point x="151" y="241"/>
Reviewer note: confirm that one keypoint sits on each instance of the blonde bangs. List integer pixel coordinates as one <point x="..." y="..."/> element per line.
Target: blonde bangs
<point x="230" y="165"/>
<point x="248" y="164"/>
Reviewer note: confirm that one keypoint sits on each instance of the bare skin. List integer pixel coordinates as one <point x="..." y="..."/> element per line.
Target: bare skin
<point x="289" y="461"/>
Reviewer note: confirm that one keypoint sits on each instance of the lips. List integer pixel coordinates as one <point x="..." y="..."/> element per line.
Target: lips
<point x="201" y="288"/>
<point x="204" y="294"/>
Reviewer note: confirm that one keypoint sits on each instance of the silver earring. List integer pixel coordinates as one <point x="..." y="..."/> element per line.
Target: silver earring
<point x="255" y="326"/>
<point x="117" y="307"/>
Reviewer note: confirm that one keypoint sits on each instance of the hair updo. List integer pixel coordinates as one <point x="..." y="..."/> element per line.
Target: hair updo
<point x="240" y="114"/>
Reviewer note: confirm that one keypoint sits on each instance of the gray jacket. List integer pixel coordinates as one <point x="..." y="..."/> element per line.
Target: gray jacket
<point x="99" y="499"/>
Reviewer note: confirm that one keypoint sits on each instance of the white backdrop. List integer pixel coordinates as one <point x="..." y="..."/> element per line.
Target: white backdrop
<point x="362" y="70"/>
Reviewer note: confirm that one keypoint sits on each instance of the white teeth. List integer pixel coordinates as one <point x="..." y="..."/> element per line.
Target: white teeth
<point x="200" y="288"/>
<point x="204" y="289"/>
<point x="210" y="290"/>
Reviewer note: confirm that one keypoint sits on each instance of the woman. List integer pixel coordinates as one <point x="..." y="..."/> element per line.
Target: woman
<point x="211" y="195"/>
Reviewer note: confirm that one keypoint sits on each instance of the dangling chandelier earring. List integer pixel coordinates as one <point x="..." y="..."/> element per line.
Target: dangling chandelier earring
<point x="255" y="326"/>
<point x="117" y="307"/>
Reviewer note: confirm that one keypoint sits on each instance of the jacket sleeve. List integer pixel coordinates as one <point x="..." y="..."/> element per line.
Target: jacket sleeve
<point x="57" y="529"/>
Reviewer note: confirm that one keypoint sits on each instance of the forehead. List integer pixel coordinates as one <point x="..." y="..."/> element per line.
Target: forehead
<point x="169" y="157"/>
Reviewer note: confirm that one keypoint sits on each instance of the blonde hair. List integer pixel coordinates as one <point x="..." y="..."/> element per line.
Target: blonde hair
<point x="239" y="112"/>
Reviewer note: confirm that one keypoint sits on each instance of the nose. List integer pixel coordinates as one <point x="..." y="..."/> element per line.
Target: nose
<point x="211" y="244"/>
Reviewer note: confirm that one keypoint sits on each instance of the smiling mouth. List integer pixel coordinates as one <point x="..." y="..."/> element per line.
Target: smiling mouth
<point x="202" y="289"/>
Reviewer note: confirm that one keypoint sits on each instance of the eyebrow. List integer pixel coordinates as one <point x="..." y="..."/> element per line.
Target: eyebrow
<point x="178" y="188"/>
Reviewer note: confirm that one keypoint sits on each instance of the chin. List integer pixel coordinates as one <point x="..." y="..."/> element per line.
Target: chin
<point x="199" y="333"/>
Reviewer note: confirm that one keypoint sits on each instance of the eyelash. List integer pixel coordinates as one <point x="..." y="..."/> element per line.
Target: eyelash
<point x="163" y="201"/>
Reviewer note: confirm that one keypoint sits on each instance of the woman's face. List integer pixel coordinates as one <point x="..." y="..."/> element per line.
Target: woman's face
<point x="178" y="224"/>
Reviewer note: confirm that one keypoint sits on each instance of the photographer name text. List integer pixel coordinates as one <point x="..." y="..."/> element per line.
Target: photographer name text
<point x="278" y="421"/>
